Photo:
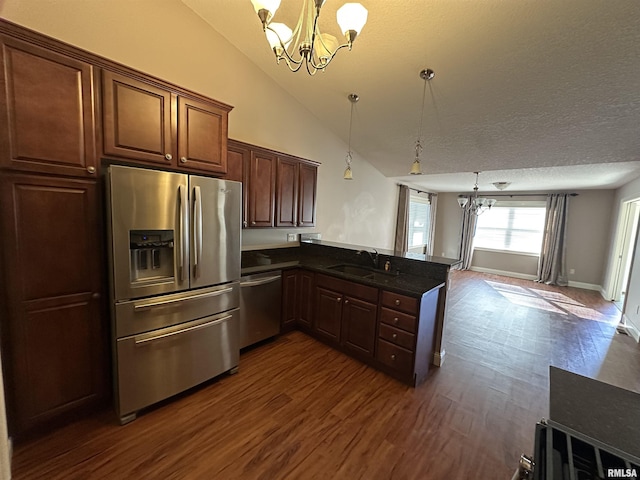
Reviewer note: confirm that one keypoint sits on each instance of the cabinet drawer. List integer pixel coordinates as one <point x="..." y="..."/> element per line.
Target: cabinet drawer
<point x="400" y="302"/>
<point x="353" y="289"/>
<point x="397" y="336"/>
<point x="398" y="319"/>
<point x="395" y="357"/>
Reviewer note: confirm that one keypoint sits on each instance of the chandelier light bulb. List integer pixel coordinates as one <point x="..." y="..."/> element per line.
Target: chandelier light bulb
<point x="351" y="17"/>
<point x="278" y="34"/>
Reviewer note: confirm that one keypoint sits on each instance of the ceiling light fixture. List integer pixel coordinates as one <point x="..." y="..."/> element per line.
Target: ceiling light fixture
<point x="416" y="169"/>
<point x="501" y="185"/>
<point x="348" y="174"/>
<point x="305" y="45"/>
<point x="477" y="205"/>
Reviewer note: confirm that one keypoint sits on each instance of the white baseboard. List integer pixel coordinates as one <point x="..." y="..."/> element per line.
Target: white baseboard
<point x="438" y="358"/>
<point x="526" y="276"/>
<point x="632" y="329"/>
<point x="504" y="273"/>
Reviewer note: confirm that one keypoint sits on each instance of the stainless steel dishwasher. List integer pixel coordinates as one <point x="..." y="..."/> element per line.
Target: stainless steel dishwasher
<point x="260" y="308"/>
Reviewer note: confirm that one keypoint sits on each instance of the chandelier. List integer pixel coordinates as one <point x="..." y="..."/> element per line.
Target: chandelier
<point x="416" y="169"/>
<point x="305" y="45"/>
<point x="476" y="205"/>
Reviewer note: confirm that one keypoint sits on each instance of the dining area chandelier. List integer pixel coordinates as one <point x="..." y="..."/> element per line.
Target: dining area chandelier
<point x="305" y="45"/>
<point x="474" y="204"/>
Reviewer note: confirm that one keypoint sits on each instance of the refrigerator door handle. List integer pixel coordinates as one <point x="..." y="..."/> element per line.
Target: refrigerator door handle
<point x="146" y="305"/>
<point x="183" y="211"/>
<point x="197" y="230"/>
<point x="142" y="339"/>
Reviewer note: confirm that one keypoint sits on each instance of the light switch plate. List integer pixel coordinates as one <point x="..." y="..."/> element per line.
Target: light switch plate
<point x="291" y="237"/>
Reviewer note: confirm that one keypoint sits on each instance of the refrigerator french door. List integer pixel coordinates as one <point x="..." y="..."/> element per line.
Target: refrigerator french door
<point x="175" y="269"/>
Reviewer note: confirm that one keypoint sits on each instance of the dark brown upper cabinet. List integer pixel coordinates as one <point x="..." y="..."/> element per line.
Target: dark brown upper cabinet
<point x="296" y="193"/>
<point x="47" y="111"/>
<point x="262" y="189"/>
<point x="146" y="122"/>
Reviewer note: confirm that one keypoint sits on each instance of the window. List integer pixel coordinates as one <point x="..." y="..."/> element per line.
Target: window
<point x="419" y="218"/>
<point x="512" y="227"/>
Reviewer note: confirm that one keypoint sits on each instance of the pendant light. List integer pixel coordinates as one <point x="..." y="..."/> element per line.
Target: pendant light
<point x="348" y="174"/>
<point x="416" y="169"/>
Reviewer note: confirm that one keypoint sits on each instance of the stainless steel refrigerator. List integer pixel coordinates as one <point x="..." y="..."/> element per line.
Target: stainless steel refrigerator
<point x="175" y="270"/>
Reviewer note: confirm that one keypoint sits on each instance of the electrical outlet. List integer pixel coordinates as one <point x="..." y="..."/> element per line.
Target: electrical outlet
<point x="572" y="271"/>
<point x="291" y="237"/>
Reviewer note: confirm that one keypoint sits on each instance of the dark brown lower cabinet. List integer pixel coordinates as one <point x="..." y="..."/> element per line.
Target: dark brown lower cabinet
<point x="359" y="326"/>
<point x="328" y="316"/>
<point x="54" y="333"/>
<point x="305" y="299"/>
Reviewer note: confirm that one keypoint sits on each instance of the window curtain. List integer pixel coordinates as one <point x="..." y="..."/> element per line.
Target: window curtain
<point x="469" y="222"/>
<point x="402" y="222"/>
<point x="433" y="205"/>
<point x="552" y="268"/>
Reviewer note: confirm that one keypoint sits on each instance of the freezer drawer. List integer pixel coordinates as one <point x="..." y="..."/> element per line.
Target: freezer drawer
<point x="156" y="365"/>
<point x="139" y="316"/>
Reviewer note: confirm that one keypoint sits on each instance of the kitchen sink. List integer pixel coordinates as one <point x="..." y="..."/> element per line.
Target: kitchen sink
<point x="353" y="270"/>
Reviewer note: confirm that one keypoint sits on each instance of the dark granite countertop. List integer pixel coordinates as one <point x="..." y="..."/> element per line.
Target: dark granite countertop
<point x="597" y="409"/>
<point x="400" y="279"/>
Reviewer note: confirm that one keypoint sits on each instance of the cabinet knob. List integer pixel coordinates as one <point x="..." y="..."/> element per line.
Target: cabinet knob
<point x="395" y="320"/>
<point x="91" y="169"/>
<point x="346" y="300"/>
<point x="168" y="156"/>
<point x="393" y="357"/>
<point x="394" y="336"/>
<point x="183" y="159"/>
<point x="397" y="302"/>
<point x="95" y="296"/>
<point x="339" y="299"/>
<point x="253" y="223"/>
<point x="244" y="224"/>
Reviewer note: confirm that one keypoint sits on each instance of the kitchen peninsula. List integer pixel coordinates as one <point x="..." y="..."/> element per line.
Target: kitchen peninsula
<point x="383" y="309"/>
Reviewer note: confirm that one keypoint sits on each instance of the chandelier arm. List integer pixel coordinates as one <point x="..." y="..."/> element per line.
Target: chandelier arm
<point x="286" y="55"/>
<point x="322" y="66"/>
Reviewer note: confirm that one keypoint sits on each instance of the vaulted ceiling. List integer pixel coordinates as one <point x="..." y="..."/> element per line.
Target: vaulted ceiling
<point x="544" y="94"/>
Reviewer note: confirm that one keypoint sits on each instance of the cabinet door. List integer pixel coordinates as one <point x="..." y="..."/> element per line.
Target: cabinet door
<point x="47" y="119"/>
<point x="137" y="120"/>
<point x="202" y="136"/>
<point x="290" y="302"/>
<point x="306" y="284"/>
<point x="359" y="326"/>
<point x="307" y="185"/>
<point x="238" y="162"/>
<point x="56" y="337"/>
<point x="287" y="193"/>
<point x="262" y="183"/>
<point x="328" y="314"/>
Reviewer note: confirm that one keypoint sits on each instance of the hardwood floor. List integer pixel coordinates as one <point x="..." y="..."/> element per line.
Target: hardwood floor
<point x="300" y="410"/>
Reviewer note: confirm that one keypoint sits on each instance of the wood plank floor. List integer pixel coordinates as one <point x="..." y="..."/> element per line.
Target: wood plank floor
<point x="300" y="410"/>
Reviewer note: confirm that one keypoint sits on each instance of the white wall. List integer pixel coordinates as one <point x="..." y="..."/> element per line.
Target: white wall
<point x="628" y="192"/>
<point x="166" y="39"/>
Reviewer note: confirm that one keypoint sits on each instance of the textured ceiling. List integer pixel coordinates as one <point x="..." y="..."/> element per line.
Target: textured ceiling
<point x="551" y="87"/>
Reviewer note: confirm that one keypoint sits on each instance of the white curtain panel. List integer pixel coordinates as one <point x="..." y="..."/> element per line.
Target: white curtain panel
<point x="401" y="244"/>
<point x="468" y="231"/>
<point x="433" y="206"/>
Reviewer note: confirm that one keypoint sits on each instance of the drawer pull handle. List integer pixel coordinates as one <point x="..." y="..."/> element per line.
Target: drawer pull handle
<point x="397" y="302"/>
<point x="393" y="357"/>
<point x="140" y="341"/>
<point x="394" y="336"/>
<point x="395" y="320"/>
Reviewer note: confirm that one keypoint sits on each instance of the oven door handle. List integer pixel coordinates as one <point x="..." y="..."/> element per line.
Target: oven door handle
<point x="141" y="341"/>
<point x="163" y="303"/>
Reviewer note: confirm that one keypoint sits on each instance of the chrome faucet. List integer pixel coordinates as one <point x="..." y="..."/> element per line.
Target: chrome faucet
<point x="372" y="256"/>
